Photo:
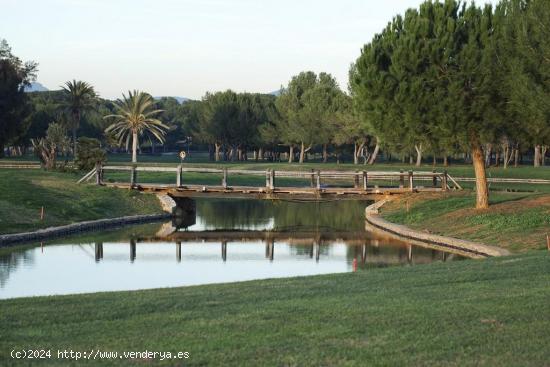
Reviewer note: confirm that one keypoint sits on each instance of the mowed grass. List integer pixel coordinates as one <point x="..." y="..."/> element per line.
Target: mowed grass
<point x="469" y="313"/>
<point x="200" y="159"/>
<point x="516" y="221"/>
<point x="24" y="192"/>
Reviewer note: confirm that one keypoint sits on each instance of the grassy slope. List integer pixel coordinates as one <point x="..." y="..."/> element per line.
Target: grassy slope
<point x="517" y="221"/>
<point x="23" y="192"/>
<point x="482" y="313"/>
<point x="525" y="171"/>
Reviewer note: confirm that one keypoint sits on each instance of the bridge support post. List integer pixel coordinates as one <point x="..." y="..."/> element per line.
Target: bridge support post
<point x="98" y="251"/>
<point x="224" y="178"/>
<point x="132" y="250"/>
<point x="356" y="180"/>
<point x="133" y="177"/>
<point x="444" y="181"/>
<point x="270" y="248"/>
<point x="317" y="250"/>
<point x="318" y="181"/>
<point x="434" y="179"/>
<point x="401" y="179"/>
<point x="267" y="178"/>
<point x="411" y="184"/>
<point x="178" y="251"/>
<point x="365" y="180"/>
<point x="224" y="251"/>
<point x="98" y="173"/>
<point x="272" y="179"/>
<point x="179" y="177"/>
<point x="312" y="181"/>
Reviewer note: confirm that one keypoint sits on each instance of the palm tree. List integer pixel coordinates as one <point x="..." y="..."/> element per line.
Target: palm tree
<point x="79" y="97"/>
<point x="135" y="116"/>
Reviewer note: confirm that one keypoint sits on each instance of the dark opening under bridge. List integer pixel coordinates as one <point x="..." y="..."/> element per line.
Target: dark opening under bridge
<point x="318" y="183"/>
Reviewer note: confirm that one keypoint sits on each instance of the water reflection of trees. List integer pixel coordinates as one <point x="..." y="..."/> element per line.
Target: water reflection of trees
<point x="231" y="213"/>
<point x="374" y="255"/>
<point x="11" y="261"/>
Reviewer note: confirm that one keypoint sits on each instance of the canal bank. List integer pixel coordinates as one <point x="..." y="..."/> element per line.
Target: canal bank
<point x="375" y="223"/>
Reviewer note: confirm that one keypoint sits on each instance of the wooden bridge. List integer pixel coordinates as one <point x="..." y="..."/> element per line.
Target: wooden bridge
<point x="319" y="183"/>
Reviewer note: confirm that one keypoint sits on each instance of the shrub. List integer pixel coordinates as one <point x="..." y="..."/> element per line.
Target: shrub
<point x="89" y="153"/>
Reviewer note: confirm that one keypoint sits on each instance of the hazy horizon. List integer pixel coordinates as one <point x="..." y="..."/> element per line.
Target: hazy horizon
<point x="186" y="48"/>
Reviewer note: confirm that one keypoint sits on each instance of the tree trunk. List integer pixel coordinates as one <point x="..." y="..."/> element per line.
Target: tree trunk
<point x="505" y="154"/>
<point x="217" y="148"/>
<point x="2" y="147"/>
<point x="302" y="153"/>
<point x="74" y="142"/>
<point x="516" y="157"/>
<point x="418" y="149"/>
<point x="134" y="146"/>
<point x="543" y="155"/>
<point x="374" y="153"/>
<point x="411" y="159"/>
<point x="536" y="158"/>
<point x="291" y="154"/>
<point x="482" y="191"/>
<point x="210" y="153"/>
<point x="261" y="154"/>
<point x="445" y="161"/>
<point x="325" y="153"/>
<point x="434" y="163"/>
<point x="240" y="154"/>
<point x="76" y="124"/>
<point x="488" y="154"/>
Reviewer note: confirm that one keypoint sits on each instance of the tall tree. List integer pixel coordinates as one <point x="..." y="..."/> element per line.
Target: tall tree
<point x="135" y="116"/>
<point x="14" y="107"/>
<point x="79" y="98"/>
<point x="525" y="56"/>
<point x="307" y="106"/>
<point x="430" y="75"/>
<point x="219" y="115"/>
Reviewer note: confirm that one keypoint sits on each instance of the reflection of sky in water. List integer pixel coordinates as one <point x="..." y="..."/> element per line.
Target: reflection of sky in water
<point x="76" y="265"/>
<point x="71" y="268"/>
<point x="65" y="269"/>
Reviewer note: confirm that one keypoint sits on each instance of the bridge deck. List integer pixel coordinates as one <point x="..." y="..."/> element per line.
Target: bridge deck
<point x="264" y="192"/>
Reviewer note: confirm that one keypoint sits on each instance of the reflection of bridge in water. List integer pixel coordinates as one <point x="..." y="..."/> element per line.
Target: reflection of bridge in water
<point x="362" y="246"/>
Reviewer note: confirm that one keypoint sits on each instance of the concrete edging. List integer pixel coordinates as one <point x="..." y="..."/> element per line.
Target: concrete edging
<point x="468" y="248"/>
<point x="52" y="232"/>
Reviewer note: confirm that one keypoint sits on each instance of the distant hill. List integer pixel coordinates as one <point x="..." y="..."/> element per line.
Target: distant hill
<point x="36" y="87"/>
<point x="276" y="93"/>
<point x="179" y="99"/>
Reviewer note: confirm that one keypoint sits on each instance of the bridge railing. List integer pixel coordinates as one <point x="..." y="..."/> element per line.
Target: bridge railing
<point x="317" y="178"/>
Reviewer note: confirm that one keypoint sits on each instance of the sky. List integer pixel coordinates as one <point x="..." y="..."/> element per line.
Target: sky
<point x="188" y="47"/>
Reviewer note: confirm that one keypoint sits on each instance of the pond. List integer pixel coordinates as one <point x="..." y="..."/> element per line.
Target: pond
<point x="228" y="240"/>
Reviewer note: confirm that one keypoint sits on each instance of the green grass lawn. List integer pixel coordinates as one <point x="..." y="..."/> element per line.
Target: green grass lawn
<point x="24" y="192"/>
<point x="469" y="313"/>
<point x="201" y="159"/>
<point x="516" y="221"/>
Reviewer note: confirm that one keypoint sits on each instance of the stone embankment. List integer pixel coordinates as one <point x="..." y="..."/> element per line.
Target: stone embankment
<point x="93" y="225"/>
<point x="463" y="247"/>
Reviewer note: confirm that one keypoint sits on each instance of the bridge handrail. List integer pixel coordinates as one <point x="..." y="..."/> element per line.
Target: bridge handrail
<point x="279" y="173"/>
<point x="361" y="178"/>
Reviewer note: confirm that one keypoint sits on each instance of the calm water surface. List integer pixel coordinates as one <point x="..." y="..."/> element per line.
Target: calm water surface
<point x="227" y="241"/>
